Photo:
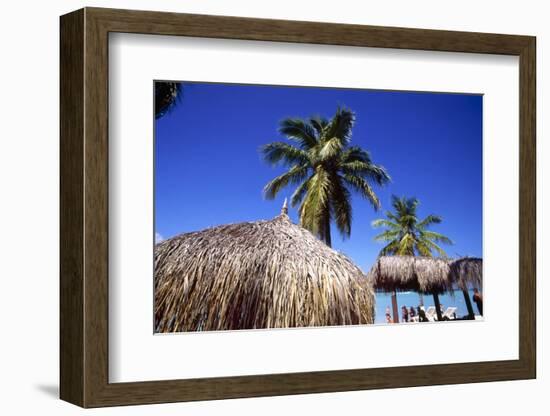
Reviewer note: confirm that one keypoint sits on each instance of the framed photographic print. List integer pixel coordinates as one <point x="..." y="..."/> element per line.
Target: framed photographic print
<point x="256" y="207"/>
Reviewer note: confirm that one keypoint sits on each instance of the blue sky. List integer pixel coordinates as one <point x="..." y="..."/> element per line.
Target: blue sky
<point x="208" y="169"/>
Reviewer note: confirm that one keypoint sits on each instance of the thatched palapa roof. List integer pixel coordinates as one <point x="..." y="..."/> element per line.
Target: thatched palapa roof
<point x="467" y="271"/>
<point x="264" y="274"/>
<point x="424" y="274"/>
<point x="403" y="273"/>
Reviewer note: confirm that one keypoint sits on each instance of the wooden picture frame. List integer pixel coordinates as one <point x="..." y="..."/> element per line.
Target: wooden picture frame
<point x="84" y="207"/>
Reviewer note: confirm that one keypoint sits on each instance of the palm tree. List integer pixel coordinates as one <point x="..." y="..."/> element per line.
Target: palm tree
<point x="406" y="235"/>
<point x="167" y="94"/>
<point x="325" y="169"/>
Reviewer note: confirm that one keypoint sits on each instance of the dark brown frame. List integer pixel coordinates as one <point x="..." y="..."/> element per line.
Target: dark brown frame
<point x="84" y="208"/>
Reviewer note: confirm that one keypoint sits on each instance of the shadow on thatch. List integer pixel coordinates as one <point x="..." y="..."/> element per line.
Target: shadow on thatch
<point x="425" y="274"/>
<point x="265" y="274"/>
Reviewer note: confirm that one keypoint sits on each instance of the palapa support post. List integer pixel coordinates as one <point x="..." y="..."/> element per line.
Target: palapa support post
<point x="471" y="314"/>
<point x="394" y="307"/>
<point x="437" y="307"/>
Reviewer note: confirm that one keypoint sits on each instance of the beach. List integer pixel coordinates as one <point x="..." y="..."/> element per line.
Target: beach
<point x="409" y="299"/>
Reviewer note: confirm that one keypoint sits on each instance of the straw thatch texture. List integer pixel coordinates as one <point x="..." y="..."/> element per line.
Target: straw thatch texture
<point x="425" y="274"/>
<point x="467" y="272"/>
<point x="404" y="273"/>
<point x="265" y="274"/>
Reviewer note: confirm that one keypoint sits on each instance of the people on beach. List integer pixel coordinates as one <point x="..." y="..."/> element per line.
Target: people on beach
<point x="422" y="314"/>
<point x="412" y="313"/>
<point x="404" y="314"/>
<point x="477" y="297"/>
<point x="442" y="310"/>
<point x="418" y="314"/>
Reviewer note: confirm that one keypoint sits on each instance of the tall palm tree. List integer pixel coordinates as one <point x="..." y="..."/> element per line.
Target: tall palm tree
<point x="405" y="234"/>
<point x="325" y="169"/>
<point x="167" y="95"/>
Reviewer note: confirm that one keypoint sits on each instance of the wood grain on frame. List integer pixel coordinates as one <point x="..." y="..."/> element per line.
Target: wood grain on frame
<point x="84" y="207"/>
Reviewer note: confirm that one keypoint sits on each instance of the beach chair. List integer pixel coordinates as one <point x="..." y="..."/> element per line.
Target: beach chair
<point x="431" y="314"/>
<point x="450" y="312"/>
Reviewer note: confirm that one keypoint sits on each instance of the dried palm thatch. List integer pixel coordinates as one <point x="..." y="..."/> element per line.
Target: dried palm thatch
<point x="425" y="274"/>
<point x="404" y="273"/>
<point x="265" y="274"/>
<point x="467" y="272"/>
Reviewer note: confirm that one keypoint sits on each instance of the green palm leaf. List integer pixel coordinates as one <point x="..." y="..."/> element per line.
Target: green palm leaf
<point x="299" y="131"/>
<point x="363" y="188"/>
<point x="294" y="175"/>
<point x="437" y="237"/>
<point x="429" y="220"/>
<point x="318" y="123"/>
<point x="388" y="236"/>
<point x="279" y="152"/>
<point x="385" y="223"/>
<point x="300" y="192"/>
<point x="340" y="126"/>
<point x="341" y="206"/>
<point x="330" y="149"/>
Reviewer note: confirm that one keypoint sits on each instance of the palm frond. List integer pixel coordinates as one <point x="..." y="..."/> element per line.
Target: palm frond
<point x="435" y="247"/>
<point x="279" y="152"/>
<point x="340" y="126"/>
<point x="299" y="193"/>
<point x="167" y="95"/>
<point x="390" y="248"/>
<point x="315" y="210"/>
<point x="423" y="249"/>
<point x="406" y="245"/>
<point x="392" y="216"/>
<point x="341" y="207"/>
<point x="406" y="219"/>
<point x="330" y="149"/>
<point x="388" y="235"/>
<point x="385" y="223"/>
<point x="437" y="237"/>
<point x="318" y="123"/>
<point x="293" y="176"/>
<point x="362" y="186"/>
<point x="429" y="220"/>
<point x="378" y="174"/>
<point x="356" y="154"/>
<point x="299" y="131"/>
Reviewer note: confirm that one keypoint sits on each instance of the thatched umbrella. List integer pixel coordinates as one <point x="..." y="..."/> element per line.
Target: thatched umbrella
<point x="404" y="273"/>
<point x="467" y="272"/>
<point x="264" y="274"/>
<point x="426" y="275"/>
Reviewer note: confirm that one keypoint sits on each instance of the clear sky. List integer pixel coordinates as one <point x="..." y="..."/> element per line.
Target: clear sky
<point x="208" y="169"/>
